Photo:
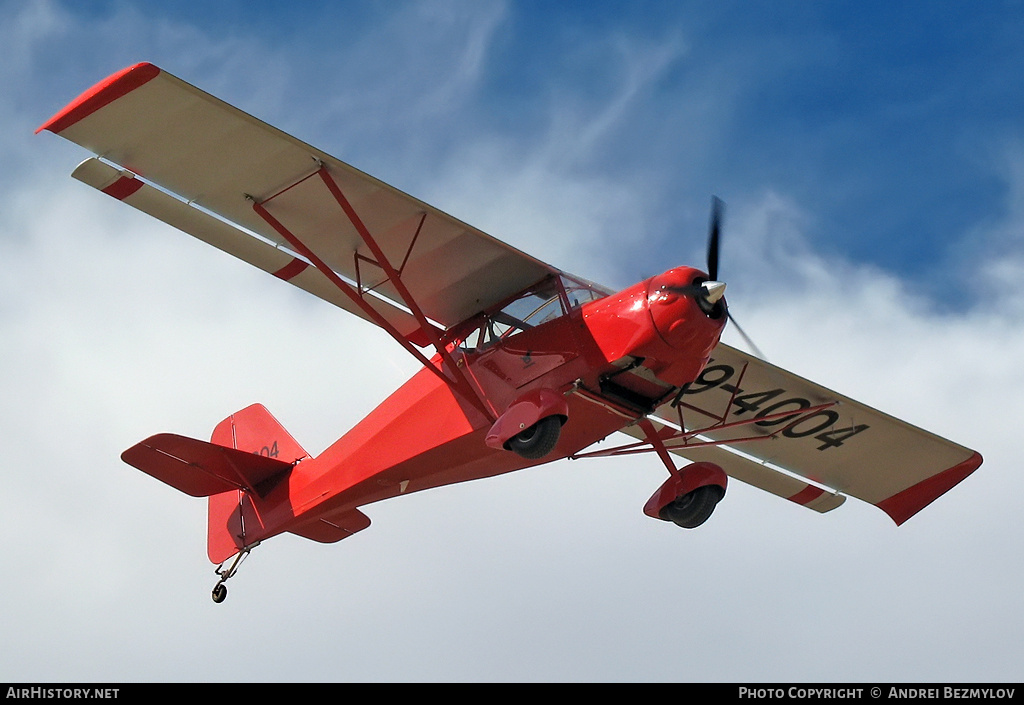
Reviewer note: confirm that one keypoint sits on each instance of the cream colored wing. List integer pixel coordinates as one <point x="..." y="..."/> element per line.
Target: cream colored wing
<point x="807" y="443"/>
<point x="215" y="158"/>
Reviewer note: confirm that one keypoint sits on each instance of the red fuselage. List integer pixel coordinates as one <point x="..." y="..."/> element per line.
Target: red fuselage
<point x="612" y="360"/>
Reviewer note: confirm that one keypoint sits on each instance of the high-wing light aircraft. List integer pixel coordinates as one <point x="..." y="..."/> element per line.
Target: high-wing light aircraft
<point x="522" y="363"/>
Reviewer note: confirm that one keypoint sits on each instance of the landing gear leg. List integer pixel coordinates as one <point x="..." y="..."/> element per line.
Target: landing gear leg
<point x="220" y="590"/>
<point x="689" y="496"/>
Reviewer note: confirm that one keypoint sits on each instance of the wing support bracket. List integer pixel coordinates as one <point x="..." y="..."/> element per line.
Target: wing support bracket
<point x="358" y="257"/>
<point x="449" y="372"/>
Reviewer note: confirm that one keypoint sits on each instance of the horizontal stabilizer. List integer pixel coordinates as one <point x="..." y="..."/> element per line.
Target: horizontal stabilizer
<point x="202" y="469"/>
<point x="333" y="527"/>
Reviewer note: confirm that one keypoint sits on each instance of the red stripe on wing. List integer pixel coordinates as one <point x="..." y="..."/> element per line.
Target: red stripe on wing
<point x="807" y="495"/>
<point x="124" y="187"/>
<point x="292" y="269"/>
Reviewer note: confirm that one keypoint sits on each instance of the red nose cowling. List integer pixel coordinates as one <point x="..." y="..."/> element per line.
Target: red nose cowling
<point x="654" y="321"/>
<point x="682" y="325"/>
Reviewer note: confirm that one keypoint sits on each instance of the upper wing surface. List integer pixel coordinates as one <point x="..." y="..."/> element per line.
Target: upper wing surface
<point x="814" y="433"/>
<point x="212" y="155"/>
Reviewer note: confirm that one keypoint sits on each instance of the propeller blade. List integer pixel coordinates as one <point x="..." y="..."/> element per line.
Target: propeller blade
<point x="714" y="230"/>
<point x="746" y="338"/>
<point x="711" y="291"/>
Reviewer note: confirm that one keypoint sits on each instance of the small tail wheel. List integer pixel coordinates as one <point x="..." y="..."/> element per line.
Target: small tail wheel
<point x="220" y="590"/>
<point x="538" y="440"/>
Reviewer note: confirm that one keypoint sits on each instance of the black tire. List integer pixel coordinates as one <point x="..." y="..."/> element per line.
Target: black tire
<point x="693" y="509"/>
<point x="538" y="440"/>
<point x="220" y="593"/>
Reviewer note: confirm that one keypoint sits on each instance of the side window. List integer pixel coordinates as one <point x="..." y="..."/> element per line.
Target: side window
<point x="533" y="307"/>
<point x="473" y="340"/>
<point x="579" y="293"/>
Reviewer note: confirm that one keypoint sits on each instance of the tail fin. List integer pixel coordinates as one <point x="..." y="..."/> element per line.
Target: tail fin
<point x="254" y="430"/>
<point x="235" y="516"/>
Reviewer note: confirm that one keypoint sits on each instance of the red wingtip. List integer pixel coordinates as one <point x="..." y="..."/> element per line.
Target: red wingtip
<point x="103" y="93"/>
<point x="910" y="501"/>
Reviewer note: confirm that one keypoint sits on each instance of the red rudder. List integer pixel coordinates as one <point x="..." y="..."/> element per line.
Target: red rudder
<point x="234" y="514"/>
<point x="253" y="429"/>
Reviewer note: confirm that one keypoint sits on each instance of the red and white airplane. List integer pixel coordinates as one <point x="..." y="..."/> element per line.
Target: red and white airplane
<point x="522" y="363"/>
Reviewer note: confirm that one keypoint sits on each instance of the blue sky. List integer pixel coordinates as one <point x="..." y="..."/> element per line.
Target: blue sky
<point x="885" y="119"/>
<point x="871" y="156"/>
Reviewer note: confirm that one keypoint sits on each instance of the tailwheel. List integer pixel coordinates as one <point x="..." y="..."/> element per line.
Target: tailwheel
<point x="220" y="590"/>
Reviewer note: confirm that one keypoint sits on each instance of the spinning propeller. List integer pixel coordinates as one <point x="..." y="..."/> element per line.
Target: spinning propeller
<point x="707" y="294"/>
<point x="714" y="229"/>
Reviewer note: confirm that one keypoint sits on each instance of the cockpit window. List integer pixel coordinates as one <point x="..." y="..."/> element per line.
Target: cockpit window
<point x="579" y="293"/>
<point x="535" y="307"/>
<point x="544" y="302"/>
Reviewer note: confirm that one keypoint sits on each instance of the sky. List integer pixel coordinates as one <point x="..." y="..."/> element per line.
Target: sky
<point x="871" y="156"/>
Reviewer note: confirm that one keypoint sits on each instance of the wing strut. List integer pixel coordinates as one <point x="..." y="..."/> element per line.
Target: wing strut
<point x="450" y="373"/>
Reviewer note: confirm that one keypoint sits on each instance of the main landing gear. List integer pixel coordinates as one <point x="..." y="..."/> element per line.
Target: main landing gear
<point x="690" y="494"/>
<point x="220" y="590"/>
<point x="693" y="508"/>
<point x="538" y="440"/>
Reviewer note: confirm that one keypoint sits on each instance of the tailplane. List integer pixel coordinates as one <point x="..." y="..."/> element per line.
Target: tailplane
<point x="249" y="455"/>
<point x="202" y="469"/>
<point x="245" y="471"/>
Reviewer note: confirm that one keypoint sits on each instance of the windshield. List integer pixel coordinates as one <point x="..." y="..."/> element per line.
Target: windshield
<point x="545" y="302"/>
